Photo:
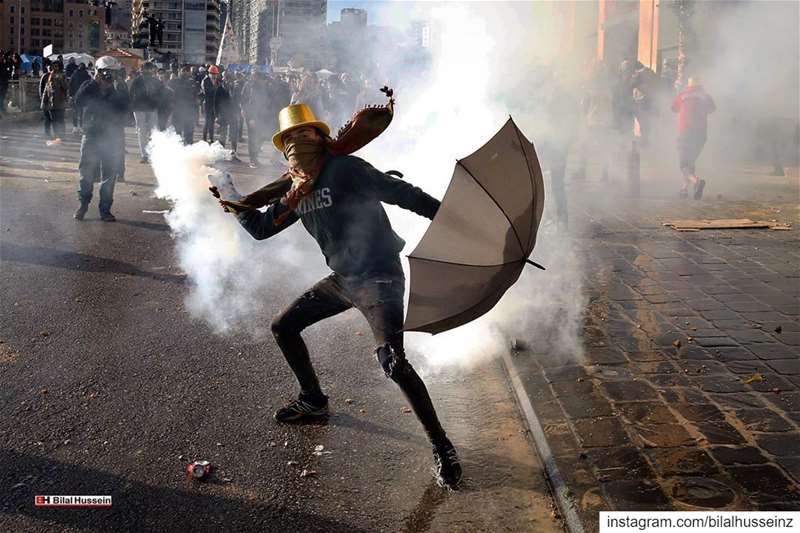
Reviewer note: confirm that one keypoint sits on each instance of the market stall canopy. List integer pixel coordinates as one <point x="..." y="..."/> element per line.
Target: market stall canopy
<point x="86" y="59"/>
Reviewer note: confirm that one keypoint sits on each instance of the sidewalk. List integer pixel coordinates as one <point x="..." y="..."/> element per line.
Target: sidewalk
<point x="689" y="394"/>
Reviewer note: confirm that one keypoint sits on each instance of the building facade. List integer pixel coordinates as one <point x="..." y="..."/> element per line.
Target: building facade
<point x="27" y="26"/>
<point x="281" y="32"/>
<point x="191" y="32"/>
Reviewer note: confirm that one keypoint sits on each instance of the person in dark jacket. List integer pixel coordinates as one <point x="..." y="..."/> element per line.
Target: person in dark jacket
<point x="145" y="94"/>
<point x="53" y="94"/>
<point x="693" y="106"/>
<point x="79" y="77"/>
<point x="338" y="200"/>
<point x="256" y="105"/>
<point x="165" y="102"/>
<point x="208" y="90"/>
<point x="71" y="67"/>
<point x="229" y="111"/>
<point x="184" y="108"/>
<point x="5" y="77"/>
<point x="105" y="111"/>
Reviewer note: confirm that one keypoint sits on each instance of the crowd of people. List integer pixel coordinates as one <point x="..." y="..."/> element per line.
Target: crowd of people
<point x="105" y="98"/>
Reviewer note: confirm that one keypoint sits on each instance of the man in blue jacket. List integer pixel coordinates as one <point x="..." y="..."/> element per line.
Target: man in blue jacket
<point x="338" y="200"/>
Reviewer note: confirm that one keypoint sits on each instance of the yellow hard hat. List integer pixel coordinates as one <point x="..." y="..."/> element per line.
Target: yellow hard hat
<point x="293" y="117"/>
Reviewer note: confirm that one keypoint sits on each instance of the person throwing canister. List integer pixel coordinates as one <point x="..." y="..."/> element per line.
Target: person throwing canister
<point x="693" y="105"/>
<point x="338" y="200"/>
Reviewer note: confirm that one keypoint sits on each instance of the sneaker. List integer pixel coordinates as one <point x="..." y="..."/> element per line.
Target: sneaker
<point x="255" y="164"/>
<point x="108" y="217"/>
<point x="446" y="466"/>
<point x="698" y="189"/>
<point x="683" y="194"/>
<point x="302" y="408"/>
<point x="235" y="159"/>
<point x="75" y="129"/>
<point x="81" y="212"/>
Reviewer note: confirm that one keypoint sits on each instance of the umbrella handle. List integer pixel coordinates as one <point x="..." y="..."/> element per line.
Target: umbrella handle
<point x="537" y="265"/>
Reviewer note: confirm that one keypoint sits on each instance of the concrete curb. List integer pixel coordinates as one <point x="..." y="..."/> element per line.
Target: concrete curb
<point x="565" y="505"/>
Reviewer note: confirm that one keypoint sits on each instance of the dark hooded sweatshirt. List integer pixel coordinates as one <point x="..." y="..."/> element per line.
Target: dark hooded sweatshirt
<point x="345" y="216"/>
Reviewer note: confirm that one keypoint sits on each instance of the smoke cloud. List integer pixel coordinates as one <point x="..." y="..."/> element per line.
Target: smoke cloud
<point x="475" y="82"/>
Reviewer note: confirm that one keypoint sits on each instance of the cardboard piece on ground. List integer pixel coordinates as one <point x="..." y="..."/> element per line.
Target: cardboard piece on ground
<point x="725" y="223"/>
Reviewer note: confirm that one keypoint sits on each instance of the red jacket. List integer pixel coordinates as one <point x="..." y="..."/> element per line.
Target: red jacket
<point x="693" y="106"/>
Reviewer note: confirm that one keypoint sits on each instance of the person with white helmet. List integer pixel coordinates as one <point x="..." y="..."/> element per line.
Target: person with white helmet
<point x="105" y="111"/>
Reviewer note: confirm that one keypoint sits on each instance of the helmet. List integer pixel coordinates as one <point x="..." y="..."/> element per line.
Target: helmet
<point x="107" y="63"/>
<point x="213" y="69"/>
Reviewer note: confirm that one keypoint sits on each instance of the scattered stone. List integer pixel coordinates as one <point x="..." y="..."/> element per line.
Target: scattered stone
<point x="66" y="442"/>
<point x="676" y="343"/>
<point x="319" y="448"/>
<point x="219" y="444"/>
<point x="348" y="401"/>
<point x="755" y="378"/>
<point x="292" y="463"/>
<point x="700" y="492"/>
<point x="181" y="457"/>
<point x="308" y="473"/>
<point x="45" y="334"/>
<point x="271" y="444"/>
<point x="362" y="411"/>
<point x="778" y="329"/>
<point x="406" y="410"/>
<point x="776" y="390"/>
<point x="19" y="486"/>
<point x="286" y="444"/>
<point x="43" y="391"/>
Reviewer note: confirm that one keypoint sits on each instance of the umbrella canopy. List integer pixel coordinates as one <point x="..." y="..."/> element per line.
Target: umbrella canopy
<point x="481" y="237"/>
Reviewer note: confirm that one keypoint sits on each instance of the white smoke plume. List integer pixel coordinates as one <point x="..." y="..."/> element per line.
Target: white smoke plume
<point x="440" y="116"/>
<point x="228" y="271"/>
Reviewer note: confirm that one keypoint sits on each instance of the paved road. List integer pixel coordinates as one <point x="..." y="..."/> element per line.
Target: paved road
<point x="110" y="388"/>
<point x="688" y="396"/>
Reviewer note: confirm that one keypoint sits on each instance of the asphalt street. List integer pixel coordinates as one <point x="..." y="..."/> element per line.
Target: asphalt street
<point x="110" y="387"/>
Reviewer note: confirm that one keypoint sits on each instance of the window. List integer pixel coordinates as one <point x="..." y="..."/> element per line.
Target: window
<point x="71" y="13"/>
<point x="12" y="21"/>
<point x="80" y="13"/>
<point x="11" y="10"/>
<point x="36" y="21"/>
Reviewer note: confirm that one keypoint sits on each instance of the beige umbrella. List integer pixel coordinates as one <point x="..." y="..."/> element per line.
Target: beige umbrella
<point x="481" y="237"/>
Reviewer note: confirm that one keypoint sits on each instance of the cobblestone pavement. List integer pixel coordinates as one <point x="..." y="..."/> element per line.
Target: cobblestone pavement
<point x="689" y="393"/>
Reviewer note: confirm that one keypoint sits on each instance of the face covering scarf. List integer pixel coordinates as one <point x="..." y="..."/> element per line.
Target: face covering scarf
<point x="306" y="159"/>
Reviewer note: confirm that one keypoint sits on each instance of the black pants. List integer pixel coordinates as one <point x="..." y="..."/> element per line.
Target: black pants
<point x="208" y="127"/>
<point x="254" y="140"/>
<point x="53" y="123"/>
<point x="77" y="117"/>
<point x="689" y="148"/>
<point x="380" y="300"/>
<point x="184" y="125"/>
